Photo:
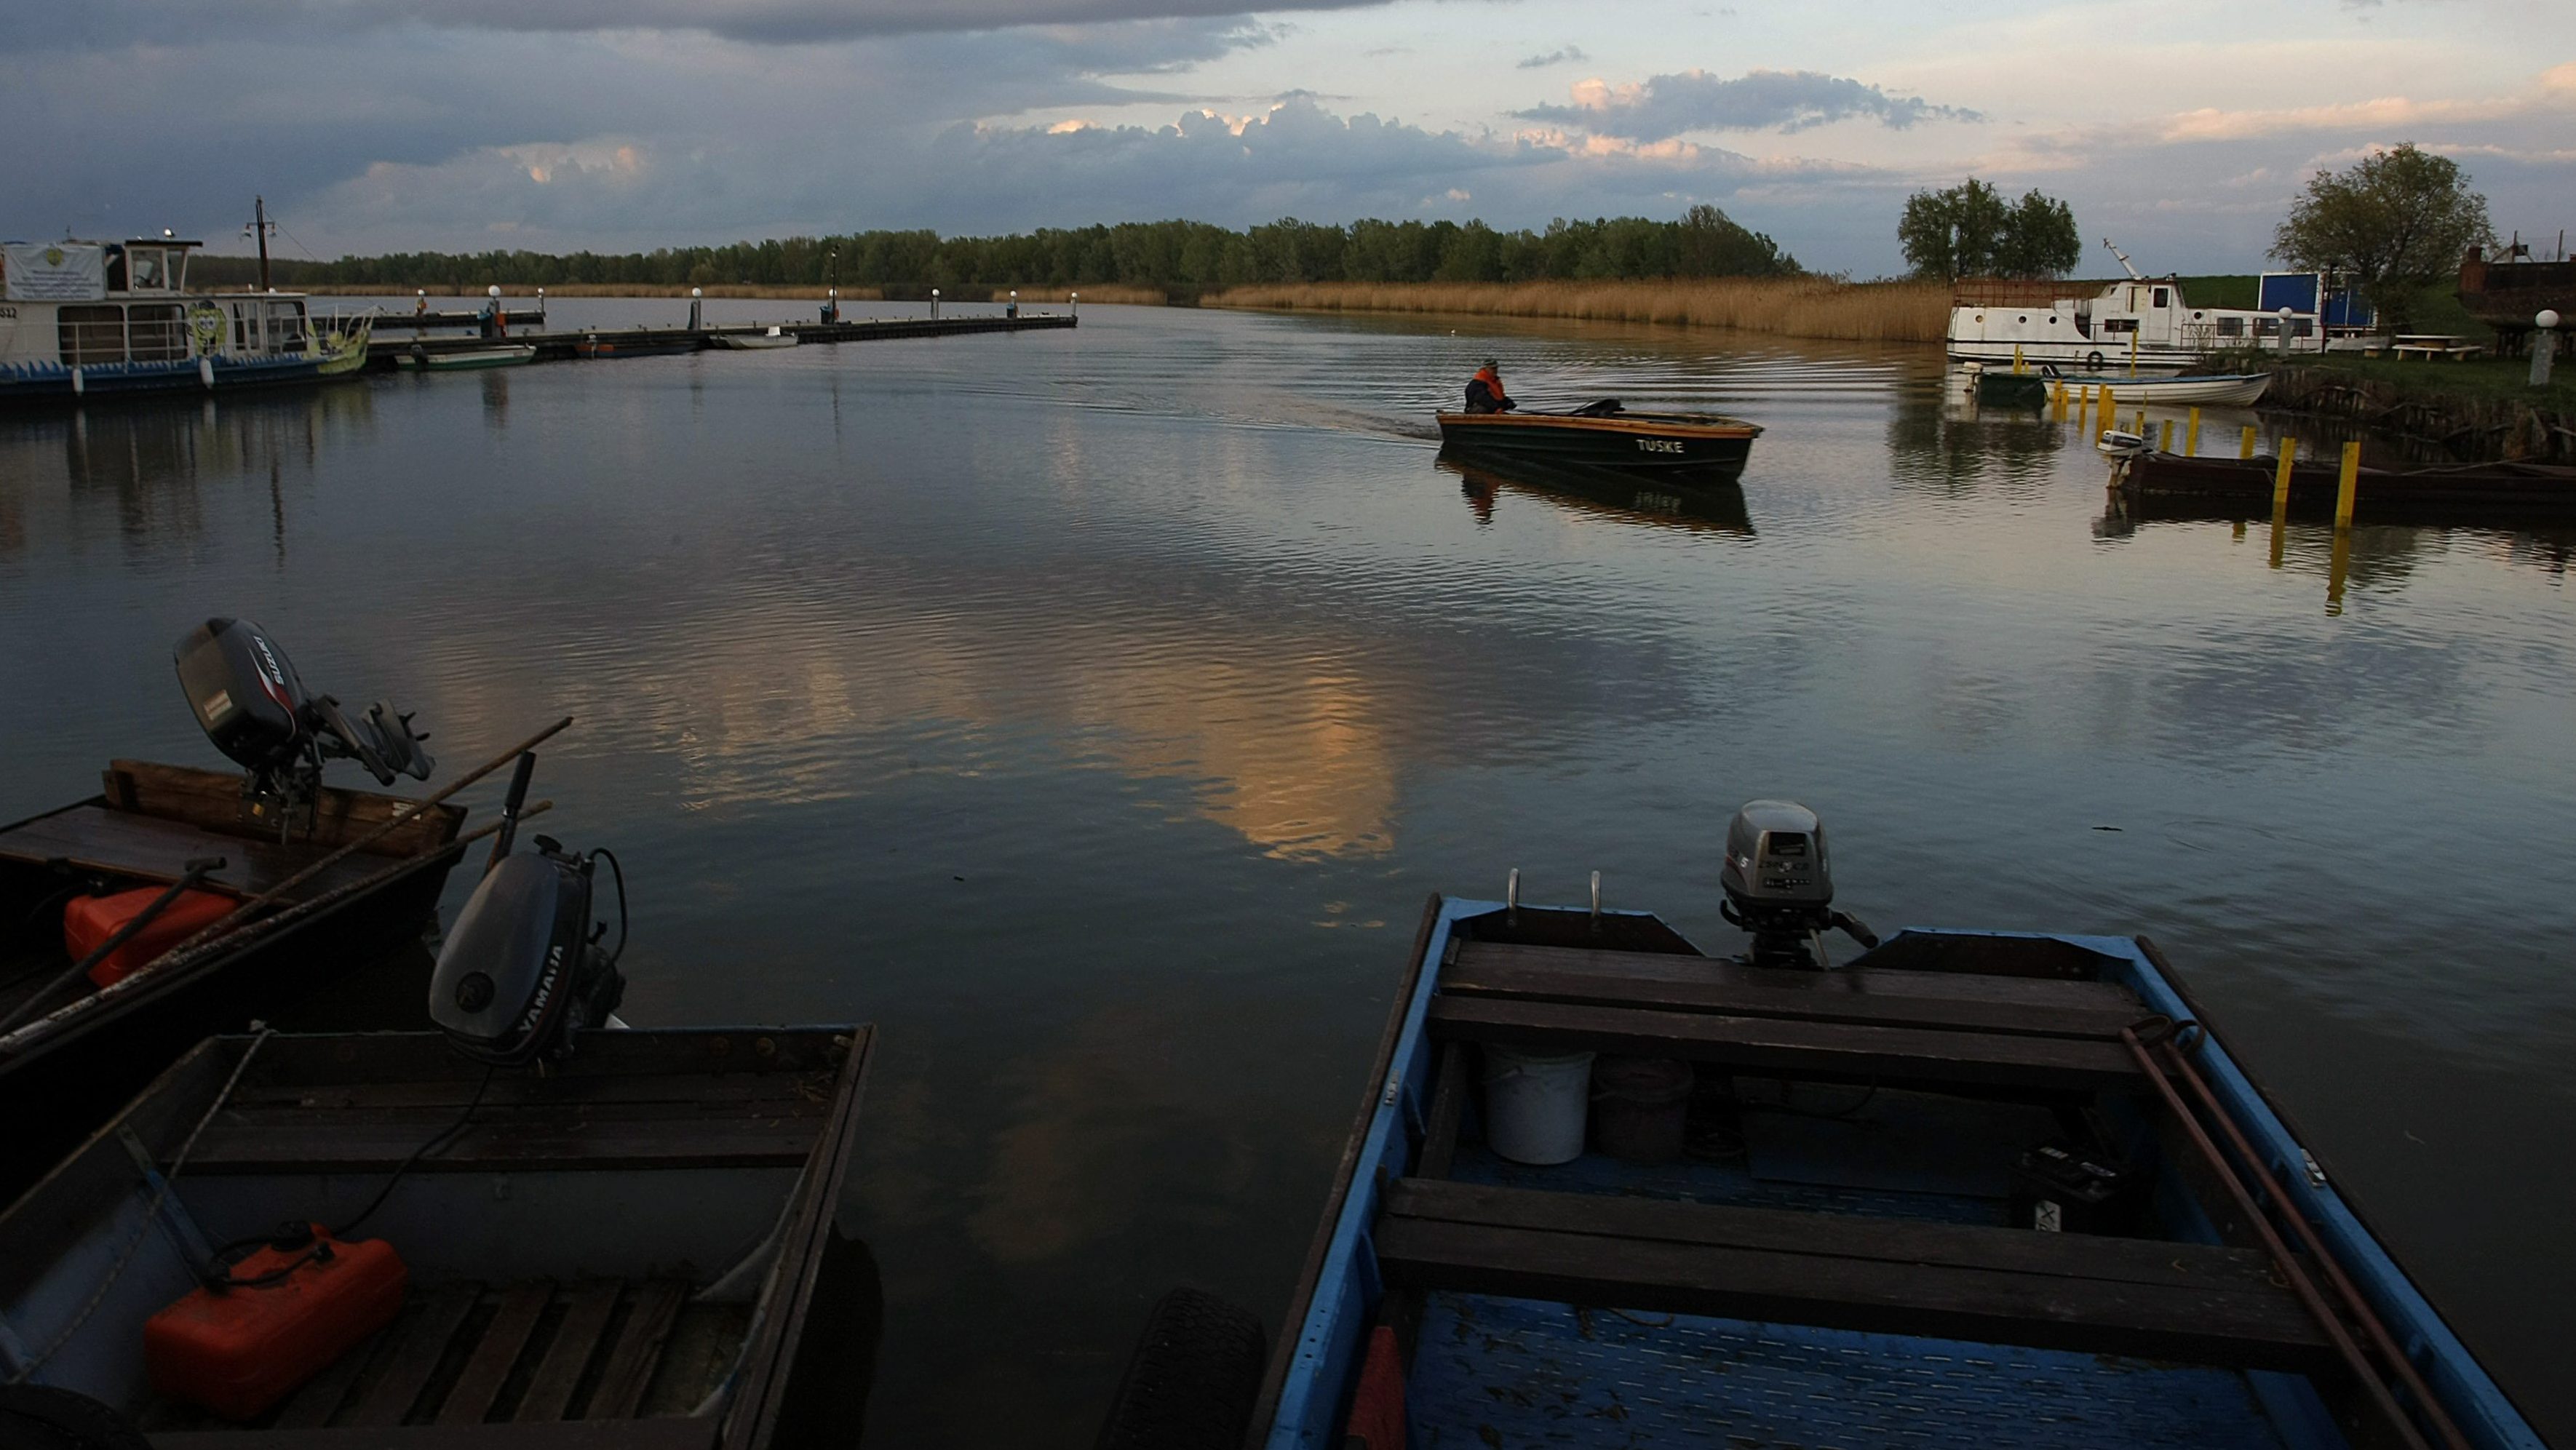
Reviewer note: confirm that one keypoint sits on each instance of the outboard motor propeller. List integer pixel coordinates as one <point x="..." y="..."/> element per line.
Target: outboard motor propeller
<point x="255" y="709"/>
<point x="524" y="969"/>
<point x="1780" y="886"/>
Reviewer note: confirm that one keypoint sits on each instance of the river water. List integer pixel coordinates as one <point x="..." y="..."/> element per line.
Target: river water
<point x="1094" y="710"/>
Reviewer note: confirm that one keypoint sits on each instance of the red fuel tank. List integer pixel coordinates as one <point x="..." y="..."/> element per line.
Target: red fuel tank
<point x="241" y="1350"/>
<point x="90" y="920"/>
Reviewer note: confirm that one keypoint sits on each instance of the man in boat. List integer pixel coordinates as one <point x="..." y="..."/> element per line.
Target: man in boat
<point x="1485" y="390"/>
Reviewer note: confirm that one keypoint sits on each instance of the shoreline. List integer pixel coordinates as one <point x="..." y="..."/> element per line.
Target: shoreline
<point x="1805" y="307"/>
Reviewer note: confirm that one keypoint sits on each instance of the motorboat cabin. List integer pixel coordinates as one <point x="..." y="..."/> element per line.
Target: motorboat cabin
<point x="2145" y="321"/>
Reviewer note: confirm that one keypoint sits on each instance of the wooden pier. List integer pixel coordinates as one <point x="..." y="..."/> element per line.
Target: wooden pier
<point x="607" y="342"/>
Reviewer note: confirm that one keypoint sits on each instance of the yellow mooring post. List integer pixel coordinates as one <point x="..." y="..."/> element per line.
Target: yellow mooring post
<point x="2167" y="445"/>
<point x="2191" y="435"/>
<point x="2057" y="401"/>
<point x="2347" y="485"/>
<point x="2139" y="424"/>
<point x="2281" y="475"/>
<point x="2102" y="420"/>
<point x="2245" y="449"/>
<point x="2018" y="369"/>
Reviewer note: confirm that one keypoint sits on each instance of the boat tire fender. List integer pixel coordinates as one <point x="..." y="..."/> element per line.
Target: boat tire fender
<point x="46" y="1417"/>
<point x="1192" y="1380"/>
<point x="2093" y="359"/>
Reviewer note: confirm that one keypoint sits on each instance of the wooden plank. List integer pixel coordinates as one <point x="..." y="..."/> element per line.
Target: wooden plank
<point x="586" y="1311"/>
<point x="2193" y="1323"/>
<point x="313" y="1403"/>
<point x="1448" y="1110"/>
<point x="1806" y="996"/>
<point x="1759" y="1044"/>
<point x="470" y="1401"/>
<point x="513" y="1144"/>
<point x="213" y="800"/>
<point x="336" y="1060"/>
<point x="1952" y="985"/>
<point x="655" y="1304"/>
<point x="414" y="1358"/>
<point x="98" y="839"/>
<point x="1840" y="1236"/>
<point x="668" y="1433"/>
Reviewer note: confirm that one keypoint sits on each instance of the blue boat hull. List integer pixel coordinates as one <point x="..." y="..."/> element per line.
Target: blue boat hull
<point x="1804" y="1274"/>
<point x="57" y="383"/>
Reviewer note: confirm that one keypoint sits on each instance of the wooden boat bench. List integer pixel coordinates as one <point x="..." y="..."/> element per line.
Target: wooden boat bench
<point x="1933" y="1028"/>
<point x="2159" y="1300"/>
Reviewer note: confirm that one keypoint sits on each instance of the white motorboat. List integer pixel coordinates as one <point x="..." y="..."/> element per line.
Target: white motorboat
<point x="774" y="337"/>
<point x="2214" y="389"/>
<point x="2142" y="324"/>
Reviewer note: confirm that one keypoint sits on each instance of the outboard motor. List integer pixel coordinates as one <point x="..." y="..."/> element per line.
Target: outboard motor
<point x="256" y="711"/>
<point x="524" y="970"/>
<point x="1780" y="885"/>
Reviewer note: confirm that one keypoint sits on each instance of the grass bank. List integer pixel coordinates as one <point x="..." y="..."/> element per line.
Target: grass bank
<point x="2483" y="408"/>
<point x="1786" y="306"/>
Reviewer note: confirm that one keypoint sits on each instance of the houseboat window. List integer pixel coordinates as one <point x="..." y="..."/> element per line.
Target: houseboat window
<point x="2266" y="327"/>
<point x="145" y="268"/>
<point x="2231" y="327"/>
<point x="116" y="269"/>
<point x="2119" y="324"/>
<point x="2164" y="297"/>
<point x="285" y="325"/>
<point x="245" y="327"/>
<point x="2304" y="327"/>
<point x="92" y="335"/>
<point x="157" y="332"/>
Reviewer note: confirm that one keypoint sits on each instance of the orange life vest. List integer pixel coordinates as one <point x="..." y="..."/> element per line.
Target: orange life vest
<point x="1493" y="380"/>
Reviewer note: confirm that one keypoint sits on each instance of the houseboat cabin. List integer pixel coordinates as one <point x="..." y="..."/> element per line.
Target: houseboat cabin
<point x="108" y="317"/>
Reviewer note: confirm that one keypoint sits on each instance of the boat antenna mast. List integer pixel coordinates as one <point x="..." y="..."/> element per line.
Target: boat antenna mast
<point x="260" y="226"/>
<point x="2124" y="260"/>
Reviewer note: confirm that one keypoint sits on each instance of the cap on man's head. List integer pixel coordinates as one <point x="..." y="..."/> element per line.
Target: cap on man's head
<point x="1489" y="362"/>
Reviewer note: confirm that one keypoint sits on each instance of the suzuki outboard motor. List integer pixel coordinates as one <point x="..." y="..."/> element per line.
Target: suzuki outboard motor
<point x="523" y="970"/>
<point x="1780" y="885"/>
<point x="254" y="708"/>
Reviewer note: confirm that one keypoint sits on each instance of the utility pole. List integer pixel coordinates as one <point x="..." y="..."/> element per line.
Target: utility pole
<point x="260" y="227"/>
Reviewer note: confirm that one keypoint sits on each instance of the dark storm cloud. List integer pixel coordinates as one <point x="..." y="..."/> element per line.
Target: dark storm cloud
<point x="118" y="23"/>
<point x="1762" y="100"/>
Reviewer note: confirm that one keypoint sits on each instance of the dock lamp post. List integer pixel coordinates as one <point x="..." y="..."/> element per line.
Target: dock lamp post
<point x="697" y="296"/>
<point x="495" y="325"/>
<point x="1015" y="302"/>
<point x="934" y="304"/>
<point x="2285" y="315"/>
<point x="2544" y="342"/>
<point x="1074" y="301"/>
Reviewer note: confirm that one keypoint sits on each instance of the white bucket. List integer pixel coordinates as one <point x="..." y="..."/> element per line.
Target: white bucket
<point x="1535" y="1104"/>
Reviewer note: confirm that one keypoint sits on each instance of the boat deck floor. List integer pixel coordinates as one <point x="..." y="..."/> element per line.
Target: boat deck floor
<point x="1492" y="1372"/>
<point x="529" y="1352"/>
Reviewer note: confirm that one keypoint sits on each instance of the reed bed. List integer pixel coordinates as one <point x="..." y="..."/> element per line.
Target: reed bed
<point x="1786" y="306"/>
<point x="801" y="291"/>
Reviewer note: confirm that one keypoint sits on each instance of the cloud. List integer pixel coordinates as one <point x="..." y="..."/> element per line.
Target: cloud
<point x="1762" y="100"/>
<point x="115" y="24"/>
<point x="1560" y="56"/>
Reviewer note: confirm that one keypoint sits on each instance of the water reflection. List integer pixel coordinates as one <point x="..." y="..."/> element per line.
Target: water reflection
<point x="1717" y="508"/>
<point x="1942" y="440"/>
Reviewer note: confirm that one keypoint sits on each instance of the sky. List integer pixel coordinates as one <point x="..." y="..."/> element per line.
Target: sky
<point x="2179" y="130"/>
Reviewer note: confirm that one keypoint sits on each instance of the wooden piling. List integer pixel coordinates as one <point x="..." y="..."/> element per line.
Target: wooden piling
<point x="2281" y="475"/>
<point x="2346" y="485"/>
<point x="2191" y="435"/>
<point x="2245" y="449"/>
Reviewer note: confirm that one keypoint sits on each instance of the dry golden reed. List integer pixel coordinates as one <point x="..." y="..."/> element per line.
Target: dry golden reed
<point x="805" y="291"/>
<point x="1786" y="306"/>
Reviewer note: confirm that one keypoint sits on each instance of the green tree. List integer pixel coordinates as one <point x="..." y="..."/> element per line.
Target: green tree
<point x="1969" y="230"/>
<point x="2396" y="221"/>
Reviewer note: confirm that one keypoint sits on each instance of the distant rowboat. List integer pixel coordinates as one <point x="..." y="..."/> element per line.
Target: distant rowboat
<point x="480" y="357"/>
<point x="746" y="341"/>
<point x="1706" y="447"/>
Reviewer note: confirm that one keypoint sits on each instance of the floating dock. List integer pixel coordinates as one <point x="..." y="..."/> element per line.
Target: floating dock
<point x="604" y="342"/>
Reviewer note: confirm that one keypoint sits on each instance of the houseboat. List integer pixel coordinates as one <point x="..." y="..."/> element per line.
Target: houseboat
<point x="2141" y="322"/>
<point x="85" y="319"/>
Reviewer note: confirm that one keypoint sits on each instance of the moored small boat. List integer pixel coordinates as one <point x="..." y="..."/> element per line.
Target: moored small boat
<point x="2148" y="483"/>
<point x="458" y="360"/>
<point x="2239" y="390"/>
<point x="750" y="341"/>
<point x="1708" y="447"/>
<point x="632" y="1245"/>
<point x="1998" y="1188"/>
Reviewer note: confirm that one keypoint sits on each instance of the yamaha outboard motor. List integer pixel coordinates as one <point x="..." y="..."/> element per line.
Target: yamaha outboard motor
<point x="254" y="708"/>
<point x="524" y="970"/>
<point x="1780" y="885"/>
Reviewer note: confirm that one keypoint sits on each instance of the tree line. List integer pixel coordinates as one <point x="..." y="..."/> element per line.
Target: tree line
<point x="1704" y="242"/>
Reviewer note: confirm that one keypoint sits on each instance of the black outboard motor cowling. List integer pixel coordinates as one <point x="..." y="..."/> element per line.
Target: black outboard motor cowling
<point x="1779" y="885"/>
<point x="523" y="970"/>
<point x="256" y="710"/>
